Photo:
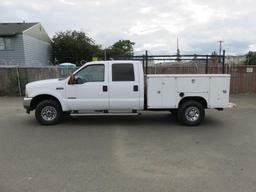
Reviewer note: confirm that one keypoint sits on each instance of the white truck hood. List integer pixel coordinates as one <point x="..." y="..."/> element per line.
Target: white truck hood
<point x="49" y="83"/>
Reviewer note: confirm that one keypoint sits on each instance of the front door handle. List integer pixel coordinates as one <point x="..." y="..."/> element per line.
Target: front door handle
<point x="105" y="88"/>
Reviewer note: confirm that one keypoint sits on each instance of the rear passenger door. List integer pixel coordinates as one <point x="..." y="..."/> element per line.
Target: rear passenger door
<point x="124" y="87"/>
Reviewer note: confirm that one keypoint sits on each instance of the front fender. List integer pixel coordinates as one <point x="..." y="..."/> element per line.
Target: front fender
<point x="60" y="95"/>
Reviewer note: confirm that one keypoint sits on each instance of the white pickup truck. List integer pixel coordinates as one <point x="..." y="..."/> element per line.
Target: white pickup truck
<point x="121" y="87"/>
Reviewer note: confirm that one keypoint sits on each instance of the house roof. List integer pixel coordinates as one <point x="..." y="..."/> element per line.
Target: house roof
<point x="8" y="29"/>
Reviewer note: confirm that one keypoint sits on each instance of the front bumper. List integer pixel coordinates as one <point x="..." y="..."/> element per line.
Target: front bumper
<point x="26" y="103"/>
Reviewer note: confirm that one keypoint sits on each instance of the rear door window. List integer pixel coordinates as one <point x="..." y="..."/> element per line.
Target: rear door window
<point x="122" y="72"/>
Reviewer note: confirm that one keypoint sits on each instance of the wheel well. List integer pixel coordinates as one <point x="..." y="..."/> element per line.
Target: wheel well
<point x="36" y="100"/>
<point x="198" y="99"/>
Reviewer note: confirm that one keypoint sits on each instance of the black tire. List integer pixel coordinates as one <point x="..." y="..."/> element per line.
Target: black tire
<point x="191" y="113"/>
<point x="48" y="112"/>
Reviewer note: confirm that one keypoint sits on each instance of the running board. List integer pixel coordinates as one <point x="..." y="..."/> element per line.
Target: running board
<point x="104" y="114"/>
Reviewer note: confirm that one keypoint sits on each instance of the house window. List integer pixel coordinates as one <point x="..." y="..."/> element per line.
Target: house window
<point x="2" y="47"/>
<point x="6" y="43"/>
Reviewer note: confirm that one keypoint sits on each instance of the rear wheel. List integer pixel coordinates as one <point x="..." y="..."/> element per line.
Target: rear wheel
<point x="191" y="113"/>
<point x="48" y="112"/>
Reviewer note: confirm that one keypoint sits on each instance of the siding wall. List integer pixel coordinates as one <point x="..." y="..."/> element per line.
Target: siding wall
<point x="28" y="51"/>
<point x="37" y="52"/>
<point x="15" y="56"/>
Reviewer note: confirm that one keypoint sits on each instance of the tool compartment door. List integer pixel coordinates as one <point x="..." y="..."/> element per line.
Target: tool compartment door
<point x="161" y="92"/>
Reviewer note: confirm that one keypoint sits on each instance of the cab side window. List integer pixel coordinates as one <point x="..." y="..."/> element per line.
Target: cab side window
<point x="91" y="73"/>
<point x="122" y="72"/>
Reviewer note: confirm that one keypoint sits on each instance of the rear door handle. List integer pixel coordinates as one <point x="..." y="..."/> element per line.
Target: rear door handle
<point x="135" y="88"/>
<point x="105" y="88"/>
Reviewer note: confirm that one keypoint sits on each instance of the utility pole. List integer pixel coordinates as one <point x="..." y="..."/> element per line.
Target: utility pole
<point x="220" y="50"/>
<point x="178" y="50"/>
<point x="105" y="54"/>
<point x="220" y="42"/>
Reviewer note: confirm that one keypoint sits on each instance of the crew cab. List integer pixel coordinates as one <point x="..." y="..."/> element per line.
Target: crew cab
<point x="122" y="87"/>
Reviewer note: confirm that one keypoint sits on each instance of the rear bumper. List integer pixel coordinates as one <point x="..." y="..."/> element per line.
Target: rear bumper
<point x="26" y="103"/>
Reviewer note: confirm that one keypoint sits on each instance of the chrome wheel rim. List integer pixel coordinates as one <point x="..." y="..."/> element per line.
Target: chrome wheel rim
<point x="192" y="114"/>
<point x="49" y="113"/>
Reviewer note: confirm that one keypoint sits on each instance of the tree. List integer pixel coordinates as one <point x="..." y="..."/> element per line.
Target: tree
<point x="251" y="58"/>
<point x="74" y="46"/>
<point x="122" y="48"/>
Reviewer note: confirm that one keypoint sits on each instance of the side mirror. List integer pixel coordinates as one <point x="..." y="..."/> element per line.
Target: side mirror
<point x="72" y="80"/>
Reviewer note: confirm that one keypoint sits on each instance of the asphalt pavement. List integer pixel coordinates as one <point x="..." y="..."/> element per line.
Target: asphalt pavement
<point x="151" y="152"/>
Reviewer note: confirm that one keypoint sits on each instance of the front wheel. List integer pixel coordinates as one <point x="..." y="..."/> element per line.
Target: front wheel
<point x="191" y="113"/>
<point x="48" y="112"/>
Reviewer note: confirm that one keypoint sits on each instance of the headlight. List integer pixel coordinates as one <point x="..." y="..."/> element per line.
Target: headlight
<point x="26" y="93"/>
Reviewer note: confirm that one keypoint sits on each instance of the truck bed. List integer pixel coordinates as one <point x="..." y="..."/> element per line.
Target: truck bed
<point x="166" y="90"/>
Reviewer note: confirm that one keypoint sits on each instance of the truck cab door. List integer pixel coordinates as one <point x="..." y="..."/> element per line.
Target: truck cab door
<point x="90" y="90"/>
<point x="124" y="87"/>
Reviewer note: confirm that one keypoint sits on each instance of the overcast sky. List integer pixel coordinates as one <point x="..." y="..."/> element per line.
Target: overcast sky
<point x="152" y="24"/>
